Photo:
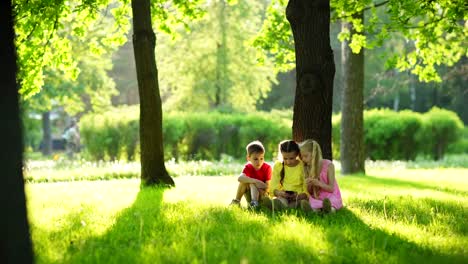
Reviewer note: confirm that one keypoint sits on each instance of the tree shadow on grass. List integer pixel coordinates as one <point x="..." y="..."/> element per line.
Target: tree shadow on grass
<point x="353" y="241"/>
<point x="423" y="211"/>
<point x="152" y="231"/>
<point x="397" y="183"/>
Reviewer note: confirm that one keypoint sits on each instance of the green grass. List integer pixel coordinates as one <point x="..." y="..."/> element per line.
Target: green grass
<point x="59" y="170"/>
<point x="393" y="215"/>
<point x="62" y="169"/>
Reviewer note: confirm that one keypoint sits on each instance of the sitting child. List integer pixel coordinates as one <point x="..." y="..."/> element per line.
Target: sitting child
<point x="255" y="177"/>
<point x="287" y="184"/>
<point x="320" y="178"/>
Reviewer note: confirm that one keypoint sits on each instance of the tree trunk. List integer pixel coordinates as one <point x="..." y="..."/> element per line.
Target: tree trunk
<point x="221" y="58"/>
<point x="15" y="243"/>
<point x="46" y="134"/>
<point x="153" y="170"/>
<point x="352" y="124"/>
<point x="310" y="23"/>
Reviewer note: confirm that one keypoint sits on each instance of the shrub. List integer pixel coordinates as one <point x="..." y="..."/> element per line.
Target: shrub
<point x="392" y="135"/>
<point x="33" y="132"/>
<point x="186" y="135"/>
<point x="460" y="146"/>
<point x="441" y="128"/>
<point x="388" y="135"/>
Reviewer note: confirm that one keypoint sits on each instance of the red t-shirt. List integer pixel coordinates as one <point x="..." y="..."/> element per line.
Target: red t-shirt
<point x="263" y="174"/>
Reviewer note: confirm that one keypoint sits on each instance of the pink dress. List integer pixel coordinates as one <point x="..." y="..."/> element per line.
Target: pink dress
<point x="335" y="196"/>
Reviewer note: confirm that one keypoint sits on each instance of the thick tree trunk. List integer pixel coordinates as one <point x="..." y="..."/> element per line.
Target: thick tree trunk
<point x="46" y="134"/>
<point x="352" y="124"/>
<point x="153" y="170"/>
<point x="310" y="23"/>
<point x="15" y="243"/>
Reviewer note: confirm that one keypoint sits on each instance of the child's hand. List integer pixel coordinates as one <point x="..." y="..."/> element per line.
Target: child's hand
<point x="260" y="185"/>
<point x="316" y="182"/>
<point x="282" y="194"/>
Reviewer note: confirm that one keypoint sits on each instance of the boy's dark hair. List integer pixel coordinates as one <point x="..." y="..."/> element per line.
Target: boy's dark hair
<point x="255" y="147"/>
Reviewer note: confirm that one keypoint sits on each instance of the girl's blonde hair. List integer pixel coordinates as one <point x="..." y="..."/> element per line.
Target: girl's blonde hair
<point x="312" y="170"/>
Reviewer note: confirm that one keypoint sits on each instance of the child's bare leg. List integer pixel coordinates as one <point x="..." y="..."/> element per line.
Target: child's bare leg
<point x="284" y="201"/>
<point x="241" y="190"/>
<point x="254" y="192"/>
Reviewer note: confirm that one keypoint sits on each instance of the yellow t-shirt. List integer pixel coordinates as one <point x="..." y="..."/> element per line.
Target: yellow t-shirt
<point x="293" y="178"/>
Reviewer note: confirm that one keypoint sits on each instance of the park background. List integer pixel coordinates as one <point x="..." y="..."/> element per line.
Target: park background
<point x="408" y="206"/>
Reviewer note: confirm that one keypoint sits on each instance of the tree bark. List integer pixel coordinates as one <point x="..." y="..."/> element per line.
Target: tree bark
<point x="352" y="124"/>
<point x="221" y="58"/>
<point x="15" y="243"/>
<point x="153" y="170"/>
<point x="310" y="23"/>
<point x="46" y="134"/>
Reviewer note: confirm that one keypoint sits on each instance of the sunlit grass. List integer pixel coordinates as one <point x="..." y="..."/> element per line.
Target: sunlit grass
<point x="62" y="169"/>
<point x="390" y="216"/>
<point x="78" y="170"/>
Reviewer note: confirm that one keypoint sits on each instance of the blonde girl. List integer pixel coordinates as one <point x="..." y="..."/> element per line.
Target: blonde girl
<point x="320" y="180"/>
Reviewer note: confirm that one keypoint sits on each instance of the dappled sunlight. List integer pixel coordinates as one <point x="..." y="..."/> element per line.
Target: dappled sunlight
<point x="447" y="178"/>
<point x="420" y="220"/>
<point x="203" y="189"/>
<point x="404" y="184"/>
<point x="88" y="221"/>
<point x="64" y="214"/>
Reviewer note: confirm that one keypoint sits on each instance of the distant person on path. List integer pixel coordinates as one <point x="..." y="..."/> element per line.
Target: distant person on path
<point x="320" y="178"/>
<point x="255" y="177"/>
<point x="71" y="136"/>
<point x="287" y="183"/>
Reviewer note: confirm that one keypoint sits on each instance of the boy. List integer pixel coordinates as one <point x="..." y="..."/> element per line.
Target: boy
<point x="255" y="178"/>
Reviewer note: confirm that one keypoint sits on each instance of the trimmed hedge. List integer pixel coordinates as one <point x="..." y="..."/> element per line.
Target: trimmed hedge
<point x="388" y="135"/>
<point x="187" y="136"/>
<point x="441" y="128"/>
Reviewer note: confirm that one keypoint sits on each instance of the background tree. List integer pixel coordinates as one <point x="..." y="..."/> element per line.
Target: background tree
<point x="15" y="242"/>
<point x="153" y="170"/>
<point x="433" y="29"/>
<point x="218" y="63"/>
<point x="46" y="31"/>
<point x="89" y="91"/>
<point x="315" y="70"/>
<point x="425" y="23"/>
<point x="352" y="106"/>
<point x="56" y="51"/>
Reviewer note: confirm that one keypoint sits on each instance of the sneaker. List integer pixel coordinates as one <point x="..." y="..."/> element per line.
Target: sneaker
<point x="235" y="202"/>
<point x="327" y="208"/>
<point x="254" y="205"/>
<point x="305" y="206"/>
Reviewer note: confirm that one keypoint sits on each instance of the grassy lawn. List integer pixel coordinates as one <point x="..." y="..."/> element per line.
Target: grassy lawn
<point x="392" y="215"/>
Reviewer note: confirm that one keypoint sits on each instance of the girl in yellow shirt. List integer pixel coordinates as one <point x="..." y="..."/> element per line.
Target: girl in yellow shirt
<point x="287" y="182"/>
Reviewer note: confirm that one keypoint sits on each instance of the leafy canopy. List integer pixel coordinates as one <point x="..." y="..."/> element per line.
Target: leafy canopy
<point x="434" y="31"/>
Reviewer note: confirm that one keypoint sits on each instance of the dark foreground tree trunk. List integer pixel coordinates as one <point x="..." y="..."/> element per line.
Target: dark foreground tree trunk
<point x="153" y="170"/>
<point x="15" y="243"/>
<point x="310" y="23"/>
<point x="46" y="134"/>
<point x="352" y="125"/>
